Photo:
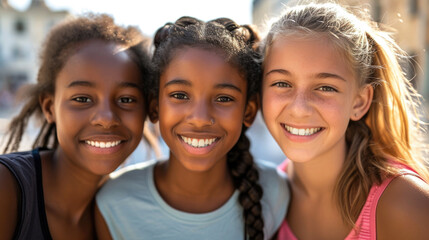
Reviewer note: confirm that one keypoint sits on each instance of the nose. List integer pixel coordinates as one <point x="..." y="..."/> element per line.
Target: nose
<point x="200" y="114"/>
<point x="300" y="105"/>
<point x="105" y="115"/>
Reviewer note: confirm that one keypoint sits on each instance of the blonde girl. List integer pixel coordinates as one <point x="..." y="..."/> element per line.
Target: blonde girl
<point x="337" y="102"/>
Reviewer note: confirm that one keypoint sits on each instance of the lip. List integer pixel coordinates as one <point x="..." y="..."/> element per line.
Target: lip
<point x="104" y="138"/>
<point x="300" y="138"/>
<point x="104" y="141"/>
<point x="198" y="150"/>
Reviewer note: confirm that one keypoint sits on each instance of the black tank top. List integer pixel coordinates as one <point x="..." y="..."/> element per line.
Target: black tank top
<point x="26" y="167"/>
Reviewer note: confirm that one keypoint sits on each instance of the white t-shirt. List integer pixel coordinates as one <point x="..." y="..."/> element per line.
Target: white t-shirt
<point x="133" y="208"/>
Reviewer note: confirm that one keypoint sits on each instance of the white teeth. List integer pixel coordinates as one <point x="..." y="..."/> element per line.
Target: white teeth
<point x="198" y="142"/>
<point x="302" y="131"/>
<point x="103" y="144"/>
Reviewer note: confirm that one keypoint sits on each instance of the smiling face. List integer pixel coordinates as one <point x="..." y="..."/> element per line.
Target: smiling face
<point x="309" y="96"/>
<point x="201" y="108"/>
<point x="98" y="107"/>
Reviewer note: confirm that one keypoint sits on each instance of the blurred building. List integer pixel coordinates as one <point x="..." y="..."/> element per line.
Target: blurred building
<point x="21" y="35"/>
<point x="409" y="19"/>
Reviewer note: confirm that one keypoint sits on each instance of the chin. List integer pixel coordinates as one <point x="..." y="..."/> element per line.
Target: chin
<point x="197" y="166"/>
<point x="104" y="169"/>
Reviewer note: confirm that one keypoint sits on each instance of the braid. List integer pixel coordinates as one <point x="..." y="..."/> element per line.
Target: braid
<point x="245" y="179"/>
<point x="237" y="44"/>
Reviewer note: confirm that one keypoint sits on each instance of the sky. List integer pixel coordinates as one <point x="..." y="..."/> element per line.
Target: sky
<point x="149" y="15"/>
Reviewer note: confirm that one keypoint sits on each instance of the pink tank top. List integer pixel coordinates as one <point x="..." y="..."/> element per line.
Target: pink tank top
<point x="366" y="222"/>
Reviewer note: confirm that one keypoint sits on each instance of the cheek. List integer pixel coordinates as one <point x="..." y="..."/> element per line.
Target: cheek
<point x="134" y="119"/>
<point x="271" y="106"/>
<point x="336" y="111"/>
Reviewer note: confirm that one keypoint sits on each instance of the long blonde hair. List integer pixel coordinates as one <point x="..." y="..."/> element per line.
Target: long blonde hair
<point x="391" y="130"/>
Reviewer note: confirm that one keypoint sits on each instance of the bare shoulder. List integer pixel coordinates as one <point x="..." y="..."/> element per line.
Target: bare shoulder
<point x="403" y="209"/>
<point x="9" y="192"/>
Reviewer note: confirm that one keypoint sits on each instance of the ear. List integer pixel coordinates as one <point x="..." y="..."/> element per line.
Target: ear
<point x="46" y="102"/>
<point x="251" y="110"/>
<point x="153" y="108"/>
<point x="362" y="102"/>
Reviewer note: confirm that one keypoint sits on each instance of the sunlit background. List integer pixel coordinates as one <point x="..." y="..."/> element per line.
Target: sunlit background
<point x="25" y="23"/>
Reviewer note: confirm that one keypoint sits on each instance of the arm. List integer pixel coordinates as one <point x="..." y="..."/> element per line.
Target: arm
<point x="9" y="192"/>
<point x="403" y="210"/>
<point x="101" y="226"/>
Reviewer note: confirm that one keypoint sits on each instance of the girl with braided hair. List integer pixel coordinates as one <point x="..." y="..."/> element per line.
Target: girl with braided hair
<point x="204" y="96"/>
<point x="89" y="97"/>
<point x="336" y="101"/>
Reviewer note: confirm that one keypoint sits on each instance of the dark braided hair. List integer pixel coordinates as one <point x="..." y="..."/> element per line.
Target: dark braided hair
<point x="237" y="44"/>
<point x="58" y="47"/>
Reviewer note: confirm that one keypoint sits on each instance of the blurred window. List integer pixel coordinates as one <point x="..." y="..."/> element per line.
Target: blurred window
<point x="20" y="27"/>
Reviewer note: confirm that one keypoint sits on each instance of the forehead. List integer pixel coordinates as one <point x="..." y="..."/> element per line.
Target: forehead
<point x="99" y="51"/>
<point x="211" y="56"/>
<point x="204" y="62"/>
<point x="97" y="60"/>
<point x="316" y="53"/>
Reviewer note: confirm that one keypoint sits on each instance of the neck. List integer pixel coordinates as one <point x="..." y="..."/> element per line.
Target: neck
<point x="197" y="182"/>
<point x="317" y="178"/>
<point x="194" y="191"/>
<point x="68" y="189"/>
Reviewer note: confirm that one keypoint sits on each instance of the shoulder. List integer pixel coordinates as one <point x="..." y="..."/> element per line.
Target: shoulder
<point x="276" y="195"/>
<point x="132" y="170"/>
<point x="271" y="177"/>
<point x="16" y="156"/>
<point x="125" y="181"/>
<point x="403" y="209"/>
<point x="270" y="171"/>
<point x="9" y="192"/>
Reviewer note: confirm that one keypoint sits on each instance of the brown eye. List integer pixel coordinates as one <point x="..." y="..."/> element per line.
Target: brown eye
<point x="224" y="99"/>
<point x="126" y="100"/>
<point x="82" y="99"/>
<point x="179" y="96"/>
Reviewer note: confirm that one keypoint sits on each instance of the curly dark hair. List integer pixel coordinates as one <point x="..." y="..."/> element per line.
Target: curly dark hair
<point x="238" y="45"/>
<point x="57" y="49"/>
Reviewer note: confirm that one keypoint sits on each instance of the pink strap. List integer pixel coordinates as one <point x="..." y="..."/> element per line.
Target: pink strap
<point x="366" y="222"/>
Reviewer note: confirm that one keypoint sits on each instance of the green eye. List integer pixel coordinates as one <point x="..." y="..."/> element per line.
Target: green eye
<point x="281" y="85"/>
<point x="327" y="89"/>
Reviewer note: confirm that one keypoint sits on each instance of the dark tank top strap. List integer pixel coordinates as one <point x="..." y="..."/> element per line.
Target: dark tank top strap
<point x="41" y="200"/>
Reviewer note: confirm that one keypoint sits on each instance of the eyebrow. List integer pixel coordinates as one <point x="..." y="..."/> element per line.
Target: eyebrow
<point x="329" y="75"/>
<point x="322" y="75"/>
<point x="281" y="71"/>
<point x="228" y="86"/>
<point x="82" y="83"/>
<point x="177" y="81"/>
<point x="218" y="86"/>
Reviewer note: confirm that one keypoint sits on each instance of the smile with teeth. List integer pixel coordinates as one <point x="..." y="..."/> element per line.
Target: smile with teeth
<point x="103" y="144"/>
<point x="301" y="131"/>
<point x="198" y="142"/>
